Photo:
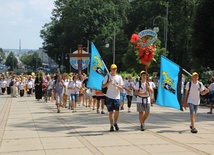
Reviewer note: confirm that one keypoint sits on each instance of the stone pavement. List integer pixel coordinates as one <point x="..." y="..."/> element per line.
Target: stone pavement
<point x="29" y="127"/>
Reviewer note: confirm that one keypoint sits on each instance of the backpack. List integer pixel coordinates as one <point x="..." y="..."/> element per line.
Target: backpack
<point x="104" y="90"/>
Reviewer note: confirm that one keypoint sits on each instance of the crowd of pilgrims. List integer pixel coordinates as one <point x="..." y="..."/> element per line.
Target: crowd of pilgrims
<point x="39" y="85"/>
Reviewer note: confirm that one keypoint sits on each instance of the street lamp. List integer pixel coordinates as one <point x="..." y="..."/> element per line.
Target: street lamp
<point x="12" y="56"/>
<point x="113" y="44"/>
<point x="156" y="29"/>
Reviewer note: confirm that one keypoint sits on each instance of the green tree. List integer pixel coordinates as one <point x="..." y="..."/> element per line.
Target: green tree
<point x="31" y="60"/>
<point x="2" y="55"/>
<point x="203" y="35"/>
<point x="11" y="61"/>
<point x="74" y="23"/>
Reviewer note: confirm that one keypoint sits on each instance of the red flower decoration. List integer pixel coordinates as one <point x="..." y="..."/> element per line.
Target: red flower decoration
<point x="146" y="53"/>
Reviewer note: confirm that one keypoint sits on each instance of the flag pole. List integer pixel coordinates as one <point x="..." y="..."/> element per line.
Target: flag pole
<point x="105" y="66"/>
<point x="186" y="72"/>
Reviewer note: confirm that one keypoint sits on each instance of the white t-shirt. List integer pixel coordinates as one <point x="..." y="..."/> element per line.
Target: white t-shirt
<point x="128" y="87"/>
<point x="194" y="93"/>
<point x="142" y="89"/>
<point x="113" y="92"/>
<point x="76" y="85"/>
<point x="211" y="86"/>
<point x="30" y="84"/>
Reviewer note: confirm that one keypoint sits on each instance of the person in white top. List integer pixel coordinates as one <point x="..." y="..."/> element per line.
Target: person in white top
<point x="3" y="85"/>
<point x="193" y="90"/>
<point x="143" y="91"/>
<point x="129" y="87"/>
<point x="29" y="86"/>
<point x="22" y="86"/>
<point x="152" y="86"/>
<point x="74" y="88"/>
<point x="115" y="84"/>
<point x="211" y="99"/>
<point x="122" y="96"/>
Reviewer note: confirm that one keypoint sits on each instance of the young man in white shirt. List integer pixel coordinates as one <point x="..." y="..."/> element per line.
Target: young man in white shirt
<point x="115" y="84"/>
<point x="193" y="91"/>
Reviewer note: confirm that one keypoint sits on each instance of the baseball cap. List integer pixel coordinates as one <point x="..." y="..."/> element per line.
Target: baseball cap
<point x="194" y="73"/>
<point x="143" y="72"/>
<point x="113" y="66"/>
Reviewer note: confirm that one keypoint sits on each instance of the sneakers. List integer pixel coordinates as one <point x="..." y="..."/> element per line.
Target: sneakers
<point x="142" y="127"/>
<point x="102" y="112"/>
<point x="193" y="130"/>
<point x="209" y="112"/>
<point x="121" y="108"/>
<point x="58" y="111"/>
<point x="111" y="128"/>
<point x="116" y="127"/>
<point x="98" y="111"/>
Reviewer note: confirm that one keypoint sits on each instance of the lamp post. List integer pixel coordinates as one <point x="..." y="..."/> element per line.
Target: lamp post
<point x="156" y="29"/>
<point x="67" y="57"/>
<point x="12" y="56"/>
<point x="166" y="24"/>
<point x="113" y="44"/>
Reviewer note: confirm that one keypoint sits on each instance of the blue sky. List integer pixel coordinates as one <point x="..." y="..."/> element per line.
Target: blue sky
<point x="23" y="19"/>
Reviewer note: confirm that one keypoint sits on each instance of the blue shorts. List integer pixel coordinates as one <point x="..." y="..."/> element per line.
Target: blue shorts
<point x="193" y="108"/>
<point x="112" y="104"/>
<point x="211" y="101"/>
<point x="122" y="97"/>
<point x="74" y="97"/>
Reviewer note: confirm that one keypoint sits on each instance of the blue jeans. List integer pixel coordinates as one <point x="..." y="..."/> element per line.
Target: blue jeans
<point x="72" y="97"/>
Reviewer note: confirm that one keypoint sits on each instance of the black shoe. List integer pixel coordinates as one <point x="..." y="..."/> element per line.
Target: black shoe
<point x="209" y="112"/>
<point x="190" y="127"/>
<point x="111" y="128"/>
<point x="142" y="128"/>
<point x="102" y="112"/>
<point x="194" y="130"/>
<point x="58" y="111"/>
<point x="116" y="127"/>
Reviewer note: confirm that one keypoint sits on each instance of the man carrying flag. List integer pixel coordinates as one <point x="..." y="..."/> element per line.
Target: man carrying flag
<point x="114" y="83"/>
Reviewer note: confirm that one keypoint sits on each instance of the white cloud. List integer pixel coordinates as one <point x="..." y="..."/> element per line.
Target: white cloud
<point x="23" y="19"/>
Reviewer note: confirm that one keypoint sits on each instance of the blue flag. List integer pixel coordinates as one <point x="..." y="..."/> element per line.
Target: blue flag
<point x="169" y="87"/>
<point x="97" y="70"/>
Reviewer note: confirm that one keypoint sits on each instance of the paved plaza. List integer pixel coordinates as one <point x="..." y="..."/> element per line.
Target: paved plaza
<point x="29" y="127"/>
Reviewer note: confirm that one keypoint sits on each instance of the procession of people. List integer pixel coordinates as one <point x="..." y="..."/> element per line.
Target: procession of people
<point x="71" y="89"/>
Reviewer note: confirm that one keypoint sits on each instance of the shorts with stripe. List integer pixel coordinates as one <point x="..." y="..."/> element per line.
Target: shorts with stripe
<point x="141" y="107"/>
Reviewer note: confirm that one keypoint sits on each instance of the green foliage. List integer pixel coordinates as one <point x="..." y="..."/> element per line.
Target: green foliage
<point x="190" y="25"/>
<point x="203" y="34"/>
<point x="31" y="60"/>
<point x="2" y="55"/>
<point x="11" y="61"/>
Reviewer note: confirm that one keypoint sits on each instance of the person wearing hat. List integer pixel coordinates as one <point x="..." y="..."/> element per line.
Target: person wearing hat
<point x="193" y="90"/>
<point x="114" y="83"/>
<point x="143" y="91"/>
<point x="152" y="86"/>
